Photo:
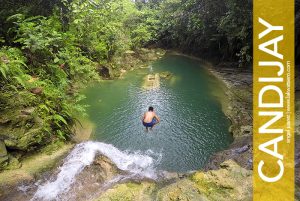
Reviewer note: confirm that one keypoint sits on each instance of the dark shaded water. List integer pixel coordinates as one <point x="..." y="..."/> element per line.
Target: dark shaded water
<point x="192" y="126"/>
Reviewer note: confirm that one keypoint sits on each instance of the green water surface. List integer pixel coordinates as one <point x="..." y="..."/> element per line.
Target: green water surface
<point x="192" y="127"/>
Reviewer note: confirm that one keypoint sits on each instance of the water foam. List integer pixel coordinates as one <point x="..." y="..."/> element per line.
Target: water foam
<point x="82" y="155"/>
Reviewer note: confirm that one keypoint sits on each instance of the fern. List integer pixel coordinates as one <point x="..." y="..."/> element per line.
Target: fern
<point x="61" y="134"/>
<point x="19" y="62"/>
<point x="20" y="81"/>
<point x="59" y="118"/>
<point x="16" y="17"/>
<point x="3" y="70"/>
<point x="44" y="107"/>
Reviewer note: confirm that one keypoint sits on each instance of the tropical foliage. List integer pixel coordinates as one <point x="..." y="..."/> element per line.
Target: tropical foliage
<point x="51" y="49"/>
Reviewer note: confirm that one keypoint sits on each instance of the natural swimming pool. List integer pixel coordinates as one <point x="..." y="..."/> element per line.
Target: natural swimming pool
<point x="192" y="127"/>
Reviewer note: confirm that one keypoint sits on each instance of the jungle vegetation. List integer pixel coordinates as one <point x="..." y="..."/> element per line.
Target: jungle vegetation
<point x="51" y="49"/>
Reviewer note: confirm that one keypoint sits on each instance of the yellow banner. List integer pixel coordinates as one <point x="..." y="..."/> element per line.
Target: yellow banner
<point x="273" y="100"/>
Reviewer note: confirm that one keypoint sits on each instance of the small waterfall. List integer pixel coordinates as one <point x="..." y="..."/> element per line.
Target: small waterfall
<point x="83" y="155"/>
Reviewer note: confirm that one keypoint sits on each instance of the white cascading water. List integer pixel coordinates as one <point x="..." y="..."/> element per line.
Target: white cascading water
<point x="83" y="155"/>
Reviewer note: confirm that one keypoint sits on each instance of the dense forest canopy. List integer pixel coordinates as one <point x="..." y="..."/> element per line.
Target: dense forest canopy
<point x="216" y="29"/>
<point x="49" y="49"/>
<point x="221" y="30"/>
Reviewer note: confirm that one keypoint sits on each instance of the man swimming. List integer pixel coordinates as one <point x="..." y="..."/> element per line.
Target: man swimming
<point x="150" y="119"/>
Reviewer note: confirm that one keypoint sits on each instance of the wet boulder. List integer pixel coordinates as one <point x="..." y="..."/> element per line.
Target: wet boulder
<point x="107" y="167"/>
<point x="239" y="151"/>
<point x="151" y="81"/>
<point x="95" y="177"/>
<point x="165" y="75"/>
<point x="101" y="170"/>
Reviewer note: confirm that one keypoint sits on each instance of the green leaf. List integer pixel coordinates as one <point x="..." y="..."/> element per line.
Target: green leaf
<point x="19" y="62"/>
<point x="16" y="16"/>
<point x="47" y="130"/>
<point x="44" y="107"/>
<point x="61" y="134"/>
<point x="20" y="81"/>
<point x="3" y="72"/>
<point x="60" y="118"/>
<point x="56" y="60"/>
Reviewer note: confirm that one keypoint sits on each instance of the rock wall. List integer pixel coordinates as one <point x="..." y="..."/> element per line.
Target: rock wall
<point x="239" y="111"/>
<point x="32" y="168"/>
<point x="238" y="108"/>
<point x="21" y="132"/>
<point x="128" y="61"/>
<point x="229" y="182"/>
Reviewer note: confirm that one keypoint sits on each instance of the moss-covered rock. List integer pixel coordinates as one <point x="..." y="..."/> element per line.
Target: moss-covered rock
<point x="237" y="106"/>
<point x="165" y="75"/>
<point x="151" y="81"/>
<point x="21" y="130"/>
<point x="98" y="176"/>
<point x="129" y="192"/>
<point x="230" y="182"/>
<point x="185" y="190"/>
<point x="21" y="139"/>
<point x="133" y="59"/>
<point x="13" y="163"/>
<point x="30" y="170"/>
<point x="3" y="155"/>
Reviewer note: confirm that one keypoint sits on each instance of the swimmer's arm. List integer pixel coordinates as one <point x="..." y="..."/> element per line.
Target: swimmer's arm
<point x="158" y="119"/>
